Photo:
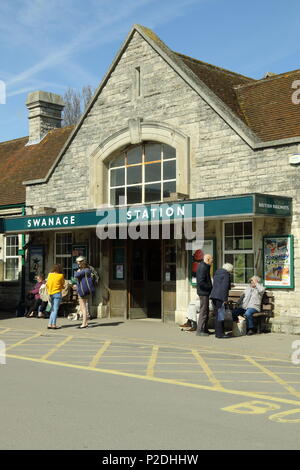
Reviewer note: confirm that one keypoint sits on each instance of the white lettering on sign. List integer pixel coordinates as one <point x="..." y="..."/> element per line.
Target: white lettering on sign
<point x="51" y="221"/>
<point x="155" y="212"/>
<point x="273" y="206"/>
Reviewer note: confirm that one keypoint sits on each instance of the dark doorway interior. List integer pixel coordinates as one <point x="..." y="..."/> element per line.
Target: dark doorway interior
<point x="144" y="279"/>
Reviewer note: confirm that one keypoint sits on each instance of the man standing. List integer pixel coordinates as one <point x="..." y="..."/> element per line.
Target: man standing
<point x="219" y="295"/>
<point x="204" y="287"/>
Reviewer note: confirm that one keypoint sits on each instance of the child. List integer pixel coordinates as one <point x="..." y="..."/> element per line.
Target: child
<point x="39" y="304"/>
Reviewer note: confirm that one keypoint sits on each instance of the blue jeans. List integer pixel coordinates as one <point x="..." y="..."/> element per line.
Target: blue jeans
<point x="248" y="314"/>
<point x="55" y="300"/>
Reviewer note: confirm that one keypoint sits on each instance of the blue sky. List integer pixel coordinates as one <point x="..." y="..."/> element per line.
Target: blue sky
<point x="53" y="44"/>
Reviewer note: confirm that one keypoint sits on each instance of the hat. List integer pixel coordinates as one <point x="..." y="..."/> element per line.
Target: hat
<point x="80" y="258"/>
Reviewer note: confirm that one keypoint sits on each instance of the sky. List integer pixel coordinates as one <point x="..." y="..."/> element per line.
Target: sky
<point x="52" y="45"/>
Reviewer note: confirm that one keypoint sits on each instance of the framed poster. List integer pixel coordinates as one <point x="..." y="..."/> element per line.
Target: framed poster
<point x="197" y="255"/>
<point x="278" y="261"/>
<point x="36" y="261"/>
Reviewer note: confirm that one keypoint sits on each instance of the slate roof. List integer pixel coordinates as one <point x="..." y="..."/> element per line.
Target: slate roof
<point x="219" y="80"/>
<point x="19" y="163"/>
<point x="264" y="105"/>
<point x="268" y="107"/>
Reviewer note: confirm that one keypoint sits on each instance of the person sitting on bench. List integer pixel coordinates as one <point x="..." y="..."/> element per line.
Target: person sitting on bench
<point x="249" y="303"/>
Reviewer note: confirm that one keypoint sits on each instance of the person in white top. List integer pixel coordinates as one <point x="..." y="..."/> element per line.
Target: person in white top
<point x="250" y="302"/>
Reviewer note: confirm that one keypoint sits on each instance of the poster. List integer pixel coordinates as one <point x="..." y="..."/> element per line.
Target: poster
<point x="278" y="260"/>
<point x="36" y="261"/>
<point x="197" y="255"/>
<point x="119" y="271"/>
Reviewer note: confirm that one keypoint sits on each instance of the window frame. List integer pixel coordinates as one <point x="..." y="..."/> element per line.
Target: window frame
<point x="143" y="183"/>
<point x="18" y="257"/>
<point x="63" y="255"/>
<point x="244" y="251"/>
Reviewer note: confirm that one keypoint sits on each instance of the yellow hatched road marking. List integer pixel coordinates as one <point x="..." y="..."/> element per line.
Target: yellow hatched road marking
<point x="100" y="353"/>
<point x="5" y="331"/>
<point x="56" y="348"/>
<point x="147" y="343"/>
<point x="152" y="361"/>
<point x="274" y="376"/>
<point x="207" y="370"/>
<point x="260" y="396"/>
<point x="23" y="341"/>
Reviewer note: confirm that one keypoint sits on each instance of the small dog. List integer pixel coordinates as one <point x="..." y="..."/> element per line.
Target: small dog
<point x="77" y="315"/>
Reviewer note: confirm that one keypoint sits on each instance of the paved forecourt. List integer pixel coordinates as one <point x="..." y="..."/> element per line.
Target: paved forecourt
<point x="258" y="371"/>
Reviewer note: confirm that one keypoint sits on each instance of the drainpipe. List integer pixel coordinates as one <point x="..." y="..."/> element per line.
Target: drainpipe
<point x="22" y="253"/>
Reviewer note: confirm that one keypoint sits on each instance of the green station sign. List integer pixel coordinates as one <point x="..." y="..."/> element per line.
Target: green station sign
<point x="248" y="205"/>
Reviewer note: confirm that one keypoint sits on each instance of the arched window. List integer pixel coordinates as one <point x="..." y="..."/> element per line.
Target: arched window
<point x="142" y="174"/>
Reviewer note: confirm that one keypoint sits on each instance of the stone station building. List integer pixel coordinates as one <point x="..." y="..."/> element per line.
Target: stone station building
<point x="164" y="129"/>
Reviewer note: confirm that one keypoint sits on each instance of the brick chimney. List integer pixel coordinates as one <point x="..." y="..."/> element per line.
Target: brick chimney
<point x="45" y="111"/>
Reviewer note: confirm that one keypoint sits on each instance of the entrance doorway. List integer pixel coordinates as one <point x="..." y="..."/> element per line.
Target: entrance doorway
<point x="144" y="279"/>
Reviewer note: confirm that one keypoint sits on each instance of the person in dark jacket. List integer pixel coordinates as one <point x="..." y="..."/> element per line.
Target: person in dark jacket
<point x="204" y="287"/>
<point x="85" y="287"/>
<point x="219" y="295"/>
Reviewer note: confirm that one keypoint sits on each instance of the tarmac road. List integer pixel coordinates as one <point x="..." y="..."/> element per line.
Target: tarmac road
<point x="138" y="385"/>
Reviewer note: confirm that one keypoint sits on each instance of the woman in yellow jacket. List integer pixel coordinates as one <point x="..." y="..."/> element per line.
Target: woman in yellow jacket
<point x="55" y="285"/>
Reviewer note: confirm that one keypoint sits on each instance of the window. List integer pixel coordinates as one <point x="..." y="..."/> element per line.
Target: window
<point x="63" y="252"/>
<point x="138" y="81"/>
<point x="145" y="173"/>
<point x="12" y="258"/>
<point x="238" y="250"/>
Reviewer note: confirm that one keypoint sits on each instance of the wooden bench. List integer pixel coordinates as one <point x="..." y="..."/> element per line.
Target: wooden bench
<point x="69" y="302"/>
<point x="262" y="318"/>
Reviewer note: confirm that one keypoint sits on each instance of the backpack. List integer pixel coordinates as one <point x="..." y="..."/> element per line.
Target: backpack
<point x="44" y="293"/>
<point x="94" y="275"/>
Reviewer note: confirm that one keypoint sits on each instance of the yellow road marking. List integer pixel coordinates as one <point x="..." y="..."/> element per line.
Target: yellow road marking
<point x="100" y="353"/>
<point x="259" y="396"/>
<point x="56" y="348"/>
<point x="125" y="363"/>
<point x="279" y="417"/>
<point x="251" y="407"/>
<point x="148" y="343"/>
<point x="207" y="370"/>
<point x="274" y="376"/>
<point x="23" y="341"/>
<point x="5" y="331"/>
<point x="152" y="361"/>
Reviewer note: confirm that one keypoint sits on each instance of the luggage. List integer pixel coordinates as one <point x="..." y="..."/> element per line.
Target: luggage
<point x="239" y="328"/>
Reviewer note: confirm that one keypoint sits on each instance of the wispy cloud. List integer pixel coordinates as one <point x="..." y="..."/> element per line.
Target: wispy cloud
<point x="110" y="22"/>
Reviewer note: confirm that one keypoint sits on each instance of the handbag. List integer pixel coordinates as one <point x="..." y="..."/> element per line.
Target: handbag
<point x="239" y="328"/>
<point x="221" y="313"/>
<point x="224" y="313"/>
<point x="228" y="314"/>
<point x="265" y="299"/>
